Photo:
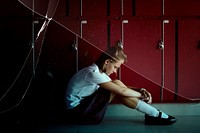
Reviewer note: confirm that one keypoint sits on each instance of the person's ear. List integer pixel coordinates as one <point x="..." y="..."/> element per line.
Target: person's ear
<point x="107" y="61"/>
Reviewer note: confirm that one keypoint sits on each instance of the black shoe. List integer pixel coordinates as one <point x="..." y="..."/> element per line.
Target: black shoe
<point x="150" y="120"/>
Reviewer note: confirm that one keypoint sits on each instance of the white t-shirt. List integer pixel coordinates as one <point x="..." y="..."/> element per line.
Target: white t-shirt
<point x="84" y="83"/>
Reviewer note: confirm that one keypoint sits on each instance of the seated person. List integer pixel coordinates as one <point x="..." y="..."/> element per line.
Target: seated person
<point x="91" y="90"/>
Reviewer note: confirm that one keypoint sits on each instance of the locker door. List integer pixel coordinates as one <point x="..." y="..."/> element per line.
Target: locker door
<point x="92" y="42"/>
<point x="93" y="7"/>
<point x="141" y="39"/>
<point x="115" y="31"/>
<point x="182" y="7"/>
<point x="95" y="32"/>
<point x="189" y="58"/>
<point x="148" y="7"/>
<point x="169" y="61"/>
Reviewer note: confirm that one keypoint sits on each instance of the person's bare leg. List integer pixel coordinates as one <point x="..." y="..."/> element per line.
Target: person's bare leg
<point x="136" y="103"/>
<point x="129" y="102"/>
<point x="112" y="96"/>
<point x="152" y="115"/>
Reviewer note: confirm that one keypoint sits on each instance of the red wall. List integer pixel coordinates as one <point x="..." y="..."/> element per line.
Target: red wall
<point x="142" y="35"/>
<point x="59" y="59"/>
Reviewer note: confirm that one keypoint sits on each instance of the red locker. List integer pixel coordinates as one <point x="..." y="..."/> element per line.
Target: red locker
<point x="182" y="7"/>
<point x="148" y="7"/>
<point x="71" y="24"/>
<point x="94" y="8"/>
<point x="189" y="58"/>
<point x="115" y="8"/>
<point x="169" y="61"/>
<point x="120" y="8"/>
<point x="141" y="39"/>
<point x="74" y="8"/>
<point x="115" y="31"/>
<point x="128" y="8"/>
<point x="94" y="31"/>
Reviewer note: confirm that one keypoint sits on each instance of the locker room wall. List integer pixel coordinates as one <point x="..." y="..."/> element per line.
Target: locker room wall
<point x="99" y="25"/>
<point x="141" y="36"/>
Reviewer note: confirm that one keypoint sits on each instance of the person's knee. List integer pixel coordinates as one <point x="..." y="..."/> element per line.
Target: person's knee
<point x="116" y="81"/>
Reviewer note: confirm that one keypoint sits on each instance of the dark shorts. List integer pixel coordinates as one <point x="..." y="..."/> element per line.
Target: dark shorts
<point x="91" y="110"/>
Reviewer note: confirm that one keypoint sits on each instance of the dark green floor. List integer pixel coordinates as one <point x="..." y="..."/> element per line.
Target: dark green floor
<point x="120" y="119"/>
<point x="185" y="124"/>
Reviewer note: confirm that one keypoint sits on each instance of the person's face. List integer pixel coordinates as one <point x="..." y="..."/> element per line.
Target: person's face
<point x="111" y="66"/>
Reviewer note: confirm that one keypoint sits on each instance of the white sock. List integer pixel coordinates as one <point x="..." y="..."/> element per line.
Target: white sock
<point x="149" y="110"/>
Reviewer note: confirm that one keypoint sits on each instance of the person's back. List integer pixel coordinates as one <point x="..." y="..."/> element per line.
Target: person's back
<point x="90" y="90"/>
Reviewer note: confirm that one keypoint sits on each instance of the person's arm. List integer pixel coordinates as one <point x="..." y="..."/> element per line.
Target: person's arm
<point x="146" y="95"/>
<point x="141" y="93"/>
<point x="123" y="91"/>
<point x="134" y="88"/>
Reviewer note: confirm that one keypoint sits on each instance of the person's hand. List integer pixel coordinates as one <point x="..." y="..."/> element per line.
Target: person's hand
<point x="146" y="96"/>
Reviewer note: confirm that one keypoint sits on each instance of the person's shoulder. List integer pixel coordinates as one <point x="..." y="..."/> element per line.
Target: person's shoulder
<point x="93" y="68"/>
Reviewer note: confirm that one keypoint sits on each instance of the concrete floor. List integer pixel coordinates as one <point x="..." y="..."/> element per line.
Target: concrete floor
<point x="185" y="124"/>
<point x="120" y="119"/>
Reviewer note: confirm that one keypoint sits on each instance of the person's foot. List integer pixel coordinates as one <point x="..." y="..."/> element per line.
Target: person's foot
<point x="150" y="120"/>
